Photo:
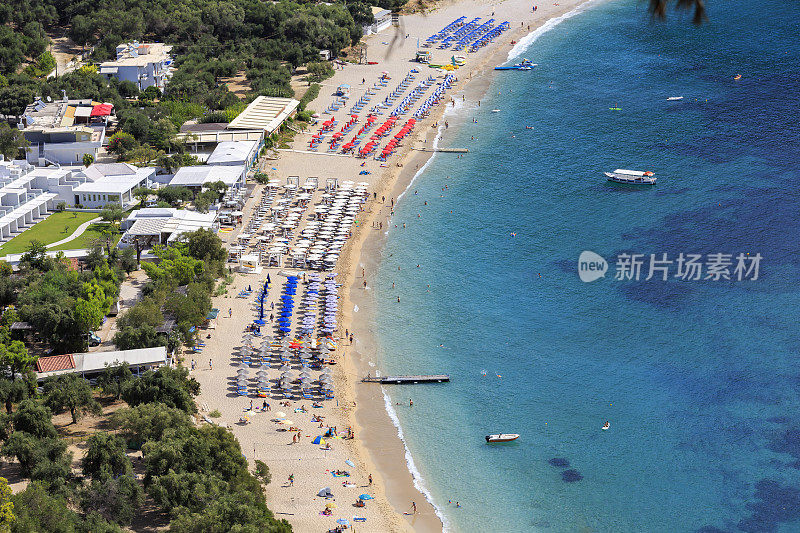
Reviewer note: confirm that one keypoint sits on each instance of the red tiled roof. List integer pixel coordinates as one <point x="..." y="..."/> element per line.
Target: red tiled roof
<point x="54" y="363"/>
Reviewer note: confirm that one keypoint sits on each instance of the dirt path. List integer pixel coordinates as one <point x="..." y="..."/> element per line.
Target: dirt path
<point x="67" y="54"/>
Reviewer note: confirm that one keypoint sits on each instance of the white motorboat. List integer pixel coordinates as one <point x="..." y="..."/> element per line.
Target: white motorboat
<point x="674" y="98"/>
<point x="502" y="437"/>
<point x="631" y="177"/>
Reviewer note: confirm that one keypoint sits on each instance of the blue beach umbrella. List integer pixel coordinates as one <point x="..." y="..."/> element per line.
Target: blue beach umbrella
<point x="342" y="521"/>
<point x="259" y="322"/>
<point x="366" y="497"/>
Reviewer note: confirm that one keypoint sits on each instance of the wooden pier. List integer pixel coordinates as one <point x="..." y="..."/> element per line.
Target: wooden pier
<point x="444" y="150"/>
<point x="408" y="380"/>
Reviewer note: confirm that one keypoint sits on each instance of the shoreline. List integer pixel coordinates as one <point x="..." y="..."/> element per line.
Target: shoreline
<point x="378" y="436"/>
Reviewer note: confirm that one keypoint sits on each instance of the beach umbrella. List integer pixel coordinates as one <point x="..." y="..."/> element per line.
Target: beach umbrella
<point x="348" y="462"/>
<point x="366" y="497"/>
<point x="342" y="521"/>
<point x="325" y="493"/>
<point x="287" y="422"/>
<point x="243" y="366"/>
<point x="318" y="440"/>
<point x="280" y="414"/>
<point x="330" y="505"/>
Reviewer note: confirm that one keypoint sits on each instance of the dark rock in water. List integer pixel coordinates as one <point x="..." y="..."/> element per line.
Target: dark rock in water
<point x="776" y="504"/>
<point x="779" y="419"/>
<point x="571" y="475"/>
<point x="787" y="442"/>
<point x="559" y="462"/>
<point x="710" y="529"/>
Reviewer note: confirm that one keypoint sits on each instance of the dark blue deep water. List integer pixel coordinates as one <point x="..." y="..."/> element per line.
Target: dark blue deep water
<point x="699" y="379"/>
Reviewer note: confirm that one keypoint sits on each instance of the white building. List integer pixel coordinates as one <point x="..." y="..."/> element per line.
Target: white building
<point x="145" y="64"/>
<point x="111" y="183"/>
<point x="24" y="198"/>
<point x="93" y="363"/>
<point x="63" y="132"/>
<point x="235" y="154"/>
<point x="265" y="113"/>
<point x="195" y="177"/>
<point x="381" y="19"/>
<point x="156" y="225"/>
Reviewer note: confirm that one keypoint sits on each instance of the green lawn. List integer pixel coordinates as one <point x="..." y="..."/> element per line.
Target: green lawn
<point x="54" y="228"/>
<point x="88" y="238"/>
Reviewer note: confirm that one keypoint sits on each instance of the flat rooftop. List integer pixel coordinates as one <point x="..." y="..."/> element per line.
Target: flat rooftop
<point x="265" y="113"/>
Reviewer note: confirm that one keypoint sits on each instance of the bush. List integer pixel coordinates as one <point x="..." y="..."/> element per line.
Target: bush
<point x="105" y="459"/>
<point x="121" y="142"/>
<point x="171" y="386"/>
<point x="215" y="413"/>
<point x="311" y="93"/>
<point x="319" y="71"/>
<point x="262" y="472"/>
<point x="149" y="421"/>
<point x="261" y="178"/>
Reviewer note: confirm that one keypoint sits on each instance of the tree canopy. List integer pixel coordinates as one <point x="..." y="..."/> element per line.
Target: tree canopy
<point x="170" y="386"/>
<point x="70" y="392"/>
<point x="106" y="459"/>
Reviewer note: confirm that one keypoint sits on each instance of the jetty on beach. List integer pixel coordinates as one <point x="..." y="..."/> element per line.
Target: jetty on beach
<point x="444" y="150"/>
<point x="407" y="380"/>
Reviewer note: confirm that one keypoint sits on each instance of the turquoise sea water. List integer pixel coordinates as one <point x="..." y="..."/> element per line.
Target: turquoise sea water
<point x="699" y="379"/>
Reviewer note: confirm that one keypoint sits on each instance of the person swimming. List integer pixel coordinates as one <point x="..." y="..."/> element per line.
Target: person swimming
<point x="606" y="425"/>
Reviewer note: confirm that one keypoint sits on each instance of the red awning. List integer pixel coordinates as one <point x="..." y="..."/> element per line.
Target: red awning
<point x="101" y="110"/>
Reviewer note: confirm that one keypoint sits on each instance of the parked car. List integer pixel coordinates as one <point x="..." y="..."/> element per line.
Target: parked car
<point x="93" y="339"/>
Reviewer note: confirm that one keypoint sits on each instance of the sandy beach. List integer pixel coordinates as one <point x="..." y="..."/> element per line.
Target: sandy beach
<point x="376" y="449"/>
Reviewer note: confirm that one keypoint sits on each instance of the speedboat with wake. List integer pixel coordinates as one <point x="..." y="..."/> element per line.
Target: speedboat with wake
<point x="525" y="64"/>
<point x="631" y="177"/>
<point x="501" y="437"/>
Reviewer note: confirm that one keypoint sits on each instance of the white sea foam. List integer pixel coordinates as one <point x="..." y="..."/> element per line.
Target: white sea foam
<point x="419" y="482"/>
<point x="449" y="111"/>
<point x="523" y="44"/>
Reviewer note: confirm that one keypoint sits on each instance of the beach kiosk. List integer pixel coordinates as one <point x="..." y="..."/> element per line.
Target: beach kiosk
<point x="343" y="90"/>
<point x="249" y="264"/>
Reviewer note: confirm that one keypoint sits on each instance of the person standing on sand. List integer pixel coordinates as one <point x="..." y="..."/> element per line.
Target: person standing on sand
<point x="370" y="479"/>
<point x="291" y="480"/>
<point x="210" y="365"/>
<point x="410" y="402"/>
<point x="414" y="507"/>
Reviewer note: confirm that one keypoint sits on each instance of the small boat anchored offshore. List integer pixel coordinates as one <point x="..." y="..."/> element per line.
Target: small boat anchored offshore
<point x="501" y="437"/>
<point x="525" y="64"/>
<point x="631" y="177"/>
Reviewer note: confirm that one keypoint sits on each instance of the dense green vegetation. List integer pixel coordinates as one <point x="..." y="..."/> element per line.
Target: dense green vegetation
<point x="61" y="305"/>
<point x="180" y="287"/>
<point x="198" y="477"/>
